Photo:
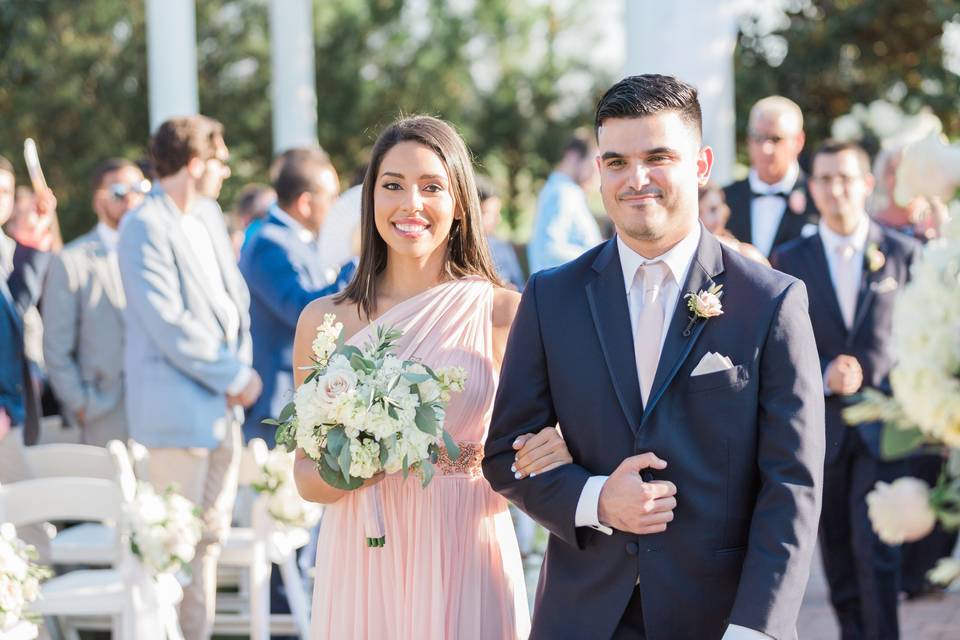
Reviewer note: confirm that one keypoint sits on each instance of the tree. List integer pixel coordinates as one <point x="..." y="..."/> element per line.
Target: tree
<point x="828" y="55"/>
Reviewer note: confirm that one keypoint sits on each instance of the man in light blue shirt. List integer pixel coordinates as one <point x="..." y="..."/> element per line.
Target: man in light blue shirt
<point x="564" y="227"/>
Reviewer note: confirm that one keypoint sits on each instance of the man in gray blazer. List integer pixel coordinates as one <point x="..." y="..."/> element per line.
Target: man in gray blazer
<point x="83" y="311"/>
<point x="187" y="352"/>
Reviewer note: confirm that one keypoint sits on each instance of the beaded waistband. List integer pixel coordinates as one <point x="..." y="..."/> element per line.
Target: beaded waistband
<point x="467" y="463"/>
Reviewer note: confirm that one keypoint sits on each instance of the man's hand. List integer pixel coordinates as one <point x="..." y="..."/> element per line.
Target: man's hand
<point x="4" y="423"/>
<point x="629" y="504"/>
<point x="844" y="375"/>
<point x="249" y="394"/>
<point x="81" y="416"/>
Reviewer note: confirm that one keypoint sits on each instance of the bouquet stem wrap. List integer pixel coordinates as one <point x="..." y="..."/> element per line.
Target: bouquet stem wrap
<point x="372" y="506"/>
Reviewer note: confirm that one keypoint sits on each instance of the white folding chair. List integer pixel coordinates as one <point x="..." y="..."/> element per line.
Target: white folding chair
<point x="89" y="543"/>
<point x="84" y="593"/>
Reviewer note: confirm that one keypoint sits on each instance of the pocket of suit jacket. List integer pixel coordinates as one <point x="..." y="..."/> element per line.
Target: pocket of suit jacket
<point x="735" y="379"/>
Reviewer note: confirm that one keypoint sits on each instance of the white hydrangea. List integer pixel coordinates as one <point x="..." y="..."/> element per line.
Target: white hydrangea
<point x="165" y="543"/>
<point x="364" y="458"/>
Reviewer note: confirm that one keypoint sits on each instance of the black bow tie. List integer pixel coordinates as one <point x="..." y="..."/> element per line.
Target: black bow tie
<point x="772" y="194"/>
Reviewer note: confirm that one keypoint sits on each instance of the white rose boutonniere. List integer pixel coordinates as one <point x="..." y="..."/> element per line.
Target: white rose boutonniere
<point x="703" y="305"/>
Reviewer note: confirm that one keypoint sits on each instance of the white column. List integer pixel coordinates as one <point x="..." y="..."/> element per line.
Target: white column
<point x="693" y="40"/>
<point x="171" y="59"/>
<point x="293" y="87"/>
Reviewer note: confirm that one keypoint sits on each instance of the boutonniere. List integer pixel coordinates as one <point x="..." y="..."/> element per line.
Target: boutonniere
<point x="797" y="202"/>
<point x="703" y="304"/>
<point x="874" y="258"/>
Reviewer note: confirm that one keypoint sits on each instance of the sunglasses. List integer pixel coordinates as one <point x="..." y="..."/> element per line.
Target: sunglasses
<point x="120" y="190"/>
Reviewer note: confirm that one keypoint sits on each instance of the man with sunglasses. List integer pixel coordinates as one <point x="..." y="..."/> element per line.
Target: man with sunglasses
<point x="772" y="205"/>
<point x="83" y="311"/>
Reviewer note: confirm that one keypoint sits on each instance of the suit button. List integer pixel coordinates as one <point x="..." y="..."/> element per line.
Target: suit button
<point x="632" y="548"/>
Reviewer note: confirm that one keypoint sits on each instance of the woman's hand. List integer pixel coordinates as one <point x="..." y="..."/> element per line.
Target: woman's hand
<point x="540" y="452"/>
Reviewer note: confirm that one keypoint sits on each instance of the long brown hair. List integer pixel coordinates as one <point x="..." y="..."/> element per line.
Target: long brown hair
<point x="467" y="252"/>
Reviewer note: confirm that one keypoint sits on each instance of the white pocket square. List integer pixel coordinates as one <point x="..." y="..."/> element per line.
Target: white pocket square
<point x="886" y="285"/>
<point x="711" y="363"/>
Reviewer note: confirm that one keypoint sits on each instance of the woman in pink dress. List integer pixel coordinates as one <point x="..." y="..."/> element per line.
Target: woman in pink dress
<point x="451" y="568"/>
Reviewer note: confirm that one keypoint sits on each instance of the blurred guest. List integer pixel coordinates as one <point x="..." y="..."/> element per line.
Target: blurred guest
<point x="251" y="208"/>
<point x="564" y="226"/>
<point x="714" y="214"/>
<point x="340" y="236"/>
<point x="187" y="349"/>
<point x="771" y="206"/>
<point x="83" y="312"/>
<point x="921" y="218"/>
<point x="503" y="254"/>
<point x="282" y="267"/>
<point x="866" y="264"/>
<point x="19" y="394"/>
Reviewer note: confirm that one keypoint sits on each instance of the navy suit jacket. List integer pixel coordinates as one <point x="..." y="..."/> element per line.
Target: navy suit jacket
<point x="283" y="275"/>
<point x="868" y="340"/>
<point x="740" y="198"/>
<point x="744" y="447"/>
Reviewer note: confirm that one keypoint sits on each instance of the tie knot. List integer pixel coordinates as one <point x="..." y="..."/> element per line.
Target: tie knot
<point x="653" y="276"/>
<point x="845" y="251"/>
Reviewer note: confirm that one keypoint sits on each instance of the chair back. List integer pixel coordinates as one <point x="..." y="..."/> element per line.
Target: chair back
<point x="52" y="499"/>
<point x="71" y="460"/>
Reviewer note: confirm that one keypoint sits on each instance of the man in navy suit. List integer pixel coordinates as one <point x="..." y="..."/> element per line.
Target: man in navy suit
<point x="284" y="273"/>
<point x="771" y="205"/>
<point x="691" y="506"/>
<point x="854" y="268"/>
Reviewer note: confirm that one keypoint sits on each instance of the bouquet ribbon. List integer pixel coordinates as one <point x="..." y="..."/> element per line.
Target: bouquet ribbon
<point x="372" y="508"/>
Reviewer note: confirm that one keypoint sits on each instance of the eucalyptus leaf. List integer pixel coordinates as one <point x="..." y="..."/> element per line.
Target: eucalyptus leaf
<point x="406" y="467"/>
<point x="416" y="378"/>
<point x="348" y="351"/>
<point x="344" y="460"/>
<point x="287" y="412"/>
<point x="426" y="420"/>
<point x="453" y="451"/>
<point x="337" y="440"/>
<point x="896" y="442"/>
<point x="426" y="473"/>
<point x="335" y="479"/>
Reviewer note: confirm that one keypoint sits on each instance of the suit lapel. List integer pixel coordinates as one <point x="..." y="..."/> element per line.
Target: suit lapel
<point x="868" y="279"/>
<point x="707" y="265"/>
<point x="106" y="271"/>
<point x="607" y="297"/>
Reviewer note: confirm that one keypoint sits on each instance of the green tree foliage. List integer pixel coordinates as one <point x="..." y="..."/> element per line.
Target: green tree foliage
<point x="828" y="55"/>
<point x="73" y="76"/>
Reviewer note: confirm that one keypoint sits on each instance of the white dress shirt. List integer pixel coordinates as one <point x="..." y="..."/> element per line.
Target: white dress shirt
<point x="108" y="237"/>
<point x="766" y="213"/>
<point x="845" y="262"/>
<point x="678" y="260"/>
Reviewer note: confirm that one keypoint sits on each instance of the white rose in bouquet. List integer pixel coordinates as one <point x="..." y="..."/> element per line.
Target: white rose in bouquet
<point x="900" y="511"/>
<point x="20" y="577"/>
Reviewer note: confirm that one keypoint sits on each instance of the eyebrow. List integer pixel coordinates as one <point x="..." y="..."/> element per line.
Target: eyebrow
<point x="658" y="150"/>
<point x="426" y="176"/>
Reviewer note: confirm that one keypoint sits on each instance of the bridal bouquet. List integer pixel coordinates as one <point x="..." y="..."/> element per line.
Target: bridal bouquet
<point x="164" y="529"/>
<point x="364" y="411"/>
<point x="284" y="504"/>
<point x="20" y="576"/>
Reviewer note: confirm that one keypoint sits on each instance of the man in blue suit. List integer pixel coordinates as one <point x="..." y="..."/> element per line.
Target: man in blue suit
<point x="854" y="267"/>
<point x="284" y="273"/>
<point x="690" y="509"/>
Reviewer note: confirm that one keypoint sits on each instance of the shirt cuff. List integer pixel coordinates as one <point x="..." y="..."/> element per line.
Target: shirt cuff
<point x="240" y="381"/>
<point x="586" y="515"/>
<point x="736" y="632"/>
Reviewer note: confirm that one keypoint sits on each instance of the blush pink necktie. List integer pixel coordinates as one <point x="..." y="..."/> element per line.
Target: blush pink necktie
<point x="650" y="277"/>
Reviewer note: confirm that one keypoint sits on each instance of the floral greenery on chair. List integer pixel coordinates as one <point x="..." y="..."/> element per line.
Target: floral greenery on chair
<point x="20" y="577"/>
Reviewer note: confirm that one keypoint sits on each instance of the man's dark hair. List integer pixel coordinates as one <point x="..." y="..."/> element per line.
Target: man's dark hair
<point x="6" y="165"/>
<point x="485" y="188"/>
<point x="831" y="147"/>
<point x="246" y="204"/>
<point x="647" y="94"/>
<point x="109" y="166"/>
<point x="297" y="172"/>
<point x="577" y="145"/>
<point x="178" y="140"/>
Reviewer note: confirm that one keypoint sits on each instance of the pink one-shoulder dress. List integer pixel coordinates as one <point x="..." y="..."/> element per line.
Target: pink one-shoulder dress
<point x="451" y="567"/>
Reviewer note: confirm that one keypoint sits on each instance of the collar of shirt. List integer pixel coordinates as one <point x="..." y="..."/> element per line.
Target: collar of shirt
<point x="108" y="237"/>
<point x="786" y="185"/>
<point x="677" y="259"/>
<point x="306" y="236"/>
<point x="833" y="240"/>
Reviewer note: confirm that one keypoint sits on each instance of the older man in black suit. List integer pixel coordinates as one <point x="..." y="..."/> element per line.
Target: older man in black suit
<point x="772" y="205"/>
<point x="854" y="268"/>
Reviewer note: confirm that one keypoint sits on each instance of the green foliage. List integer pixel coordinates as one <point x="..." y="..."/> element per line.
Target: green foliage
<point x="73" y="75"/>
<point x="839" y="53"/>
